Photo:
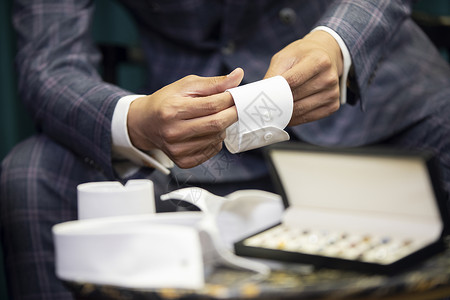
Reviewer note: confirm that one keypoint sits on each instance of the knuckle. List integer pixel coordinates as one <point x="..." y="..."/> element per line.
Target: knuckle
<point x="332" y="107"/>
<point x="186" y="160"/>
<point x="218" y="145"/>
<point x="167" y="114"/>
<point x="214" y="149"/>
<point x="335" y="107"/>
<point x="177" y="153"/>
<point x="301" y="107"/>
<point x="334" y="95"/>
<point x="276" y="57"/>
<point x="190" y="78"/>
<point x="185" y="163"/>
<point x="211" y="150"/>
<point x="221" y="137"/>
<point x="296" y="94"/>
<point x="322" y="62"/>
<point x="169" y="135"/>
<point x="208" y="152"/>
<point x="180" y="157"/>
<point x="216" y="125"/>
<point x="296" y="78"/>
<point x="211" y="106"/>
<point x="332" y="79"/>
<point x="281" y="58"/>
<point x="300" y="118"/>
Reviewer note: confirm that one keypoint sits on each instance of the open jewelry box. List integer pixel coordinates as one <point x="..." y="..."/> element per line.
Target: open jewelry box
<point x="361" y="209"/>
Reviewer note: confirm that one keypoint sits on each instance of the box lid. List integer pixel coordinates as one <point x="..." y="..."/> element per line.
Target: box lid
<point x="359" y="184"/>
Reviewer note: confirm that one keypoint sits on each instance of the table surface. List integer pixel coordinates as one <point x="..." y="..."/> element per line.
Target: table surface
<point x="429" y="279"/>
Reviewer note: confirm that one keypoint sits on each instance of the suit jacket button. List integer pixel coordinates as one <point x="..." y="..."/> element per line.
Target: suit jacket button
<point x="268" y="136"/>
<point x="228" y="48"/>
<point x="287" y="15"/>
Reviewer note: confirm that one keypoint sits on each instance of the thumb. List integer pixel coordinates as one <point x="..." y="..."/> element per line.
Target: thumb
<point x="215" y="85"/>
<point x="276" y="68"/>
<point x="283" y="61"/>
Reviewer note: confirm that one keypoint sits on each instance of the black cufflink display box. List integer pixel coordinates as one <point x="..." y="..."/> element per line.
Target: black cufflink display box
<point x="362" y="209"/>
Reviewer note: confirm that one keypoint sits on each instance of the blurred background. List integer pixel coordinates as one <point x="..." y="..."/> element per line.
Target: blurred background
<point x="117" y="38"/>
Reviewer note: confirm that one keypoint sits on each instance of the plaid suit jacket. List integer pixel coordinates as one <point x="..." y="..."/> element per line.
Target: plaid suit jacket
<point x="397" y="75"/>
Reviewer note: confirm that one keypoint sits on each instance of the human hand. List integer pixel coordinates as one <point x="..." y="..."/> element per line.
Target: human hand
<point x="186" y="119"/>
<point x="312" y="67"/>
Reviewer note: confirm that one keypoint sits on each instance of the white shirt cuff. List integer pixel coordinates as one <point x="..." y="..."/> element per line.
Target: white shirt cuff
<point x="264" y="109"/>
<point x="122" y="146"/>
<point x="347" y="61"/>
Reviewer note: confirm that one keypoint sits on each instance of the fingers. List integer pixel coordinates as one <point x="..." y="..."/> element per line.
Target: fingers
<point x="187" y="119"/>
<point x="318" y="84"/>
<point x="298" y="64"/>
<point x="279" y="65"/>
<point x="311" y="68"/>
<point x="204" y="86"/>
<point x="314" y="115"/>
<point x="214" y="124"/>
<point x="190" y="161"/>
<point x="199" y="139"/>
<point x="314" y="107"/>
<point x="308" y="68"/>
<point x="195" y="151"/>
<point x="204" y="96"/>
<point x="205" y="106"/>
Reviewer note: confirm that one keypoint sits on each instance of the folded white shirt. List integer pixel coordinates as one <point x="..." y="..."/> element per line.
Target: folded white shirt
<point x="168" y="250"/>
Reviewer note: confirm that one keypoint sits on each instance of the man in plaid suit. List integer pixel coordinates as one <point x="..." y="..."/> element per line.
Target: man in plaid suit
<point x="368" y="54"/>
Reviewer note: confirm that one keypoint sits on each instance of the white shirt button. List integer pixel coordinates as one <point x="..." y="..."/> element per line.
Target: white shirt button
<point x="268" y="136"/>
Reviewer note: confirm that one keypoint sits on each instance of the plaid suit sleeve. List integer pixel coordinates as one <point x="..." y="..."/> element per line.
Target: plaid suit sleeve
<point x="366" y="27"/>
<point x="58" y="81"/>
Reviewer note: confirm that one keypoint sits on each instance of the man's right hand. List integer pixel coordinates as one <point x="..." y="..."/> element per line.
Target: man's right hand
<point x="186" y="119"/>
